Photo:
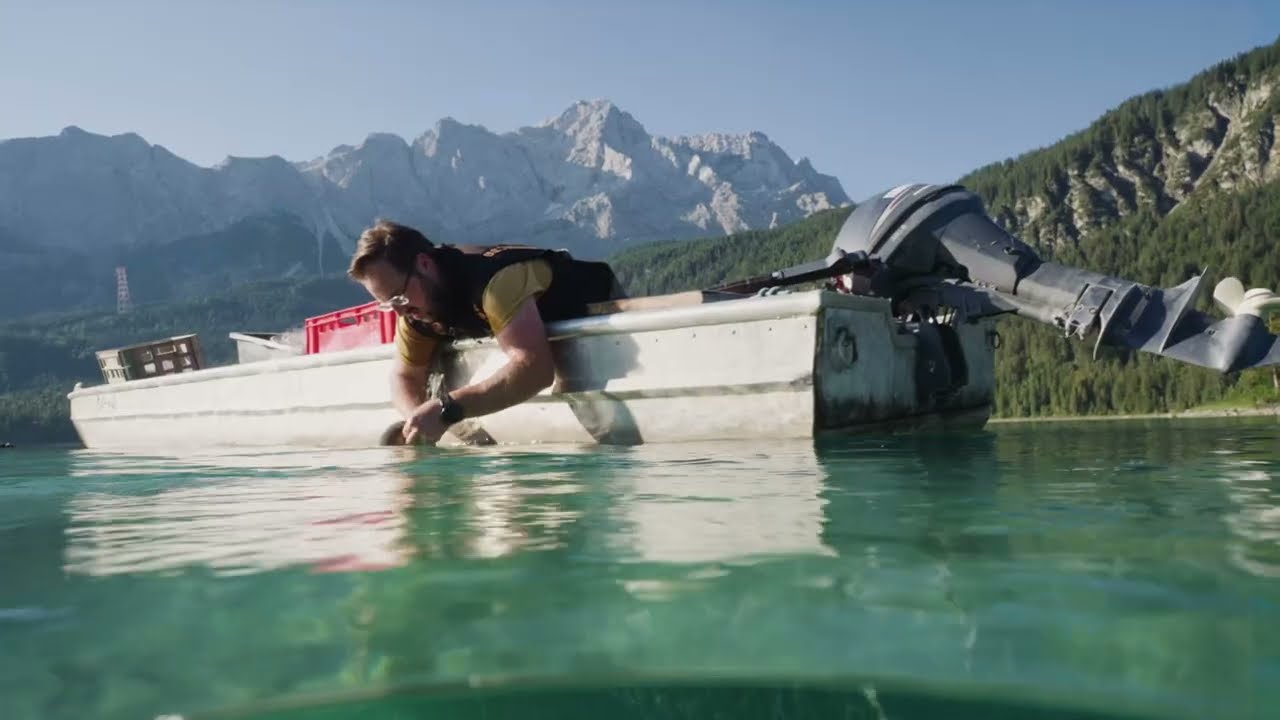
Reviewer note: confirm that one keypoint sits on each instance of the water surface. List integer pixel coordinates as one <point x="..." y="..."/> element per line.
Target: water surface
<point x="1058" y="570"/>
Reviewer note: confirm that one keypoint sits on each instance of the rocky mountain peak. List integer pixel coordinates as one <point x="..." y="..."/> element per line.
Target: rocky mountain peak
<point x="590" y="179"/>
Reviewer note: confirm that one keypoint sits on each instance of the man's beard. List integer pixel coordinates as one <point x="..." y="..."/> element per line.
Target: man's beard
<point x="441" y="309"/>
<point x="440" y="300"/>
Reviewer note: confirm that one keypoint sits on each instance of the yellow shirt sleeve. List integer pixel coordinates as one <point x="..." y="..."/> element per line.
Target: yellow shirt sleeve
<point x="414" y="347"/>
<point x="510" y="287"/>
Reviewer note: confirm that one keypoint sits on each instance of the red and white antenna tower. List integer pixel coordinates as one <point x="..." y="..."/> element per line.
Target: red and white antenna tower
<point x="122" y="290"/>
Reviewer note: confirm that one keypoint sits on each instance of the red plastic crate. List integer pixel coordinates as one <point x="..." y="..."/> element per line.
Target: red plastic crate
<point x="349" y="328"/>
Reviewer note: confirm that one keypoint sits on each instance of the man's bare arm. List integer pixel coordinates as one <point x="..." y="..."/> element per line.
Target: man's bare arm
<point x="408" y="386"/>
<point x="529" y="368"/>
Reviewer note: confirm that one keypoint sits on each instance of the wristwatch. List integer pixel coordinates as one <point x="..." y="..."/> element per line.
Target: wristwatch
<point x="450" y="411"/>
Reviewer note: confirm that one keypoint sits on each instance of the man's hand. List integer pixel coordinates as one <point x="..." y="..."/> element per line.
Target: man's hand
<point x="424" y="424"/>
<point x="529" y="369"/>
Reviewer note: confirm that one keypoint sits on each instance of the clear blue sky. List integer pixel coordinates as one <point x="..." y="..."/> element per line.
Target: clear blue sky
<point x="874" y="93"/>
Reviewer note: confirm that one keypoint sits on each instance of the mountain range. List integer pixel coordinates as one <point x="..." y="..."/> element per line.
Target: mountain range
<point x="591" y="179"/>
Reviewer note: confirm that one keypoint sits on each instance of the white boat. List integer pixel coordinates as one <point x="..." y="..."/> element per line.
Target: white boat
<point x="903" y="335"/>
<point x="779" y="366"/>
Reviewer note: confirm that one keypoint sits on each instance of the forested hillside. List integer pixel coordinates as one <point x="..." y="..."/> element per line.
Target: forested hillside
<point x="682" y="265"/>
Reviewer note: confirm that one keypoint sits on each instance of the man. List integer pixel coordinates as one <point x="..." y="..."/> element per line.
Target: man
<point x="442" y="292"/>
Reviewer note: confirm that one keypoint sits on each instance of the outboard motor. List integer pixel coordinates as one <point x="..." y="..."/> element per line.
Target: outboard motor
<point x="933" y="246"/>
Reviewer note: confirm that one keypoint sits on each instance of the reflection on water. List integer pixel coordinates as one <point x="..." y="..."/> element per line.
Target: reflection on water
<point x="1115" y="568"/>
<point x="1252" y="489"/>
<point x="243" y="525"/>
<point x="693" y="507"/>
<point x="702" y="508"/>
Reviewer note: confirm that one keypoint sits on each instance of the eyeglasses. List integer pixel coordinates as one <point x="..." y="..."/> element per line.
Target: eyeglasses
<point x="399" y="300"/>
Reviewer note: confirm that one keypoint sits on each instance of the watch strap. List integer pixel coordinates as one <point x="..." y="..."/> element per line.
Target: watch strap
<point x="450" y="411"/>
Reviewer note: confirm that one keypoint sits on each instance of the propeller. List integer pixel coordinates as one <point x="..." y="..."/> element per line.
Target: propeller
<point x="1234" y="299"/>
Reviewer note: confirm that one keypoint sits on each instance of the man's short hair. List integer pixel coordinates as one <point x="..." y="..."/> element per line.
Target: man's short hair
<point x="398" y="244"/>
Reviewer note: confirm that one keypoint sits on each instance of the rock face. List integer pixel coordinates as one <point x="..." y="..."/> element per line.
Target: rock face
<point x="591" y="179"/>
<point x="1214" y="134"/>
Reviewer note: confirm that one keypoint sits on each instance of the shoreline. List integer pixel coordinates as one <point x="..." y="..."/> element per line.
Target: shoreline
<point x="1273" y="410"/>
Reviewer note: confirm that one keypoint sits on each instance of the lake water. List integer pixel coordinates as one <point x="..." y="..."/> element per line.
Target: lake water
<point x="1058" y="570"/>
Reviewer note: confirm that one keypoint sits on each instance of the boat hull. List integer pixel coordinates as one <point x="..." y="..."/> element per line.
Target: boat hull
<point x="784" y="366"/>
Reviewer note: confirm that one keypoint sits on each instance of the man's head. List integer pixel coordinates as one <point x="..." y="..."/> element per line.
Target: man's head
<point x="394" y="263"/>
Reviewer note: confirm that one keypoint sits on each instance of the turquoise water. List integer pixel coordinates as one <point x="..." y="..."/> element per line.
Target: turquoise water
<point x="1058" y="570"/>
